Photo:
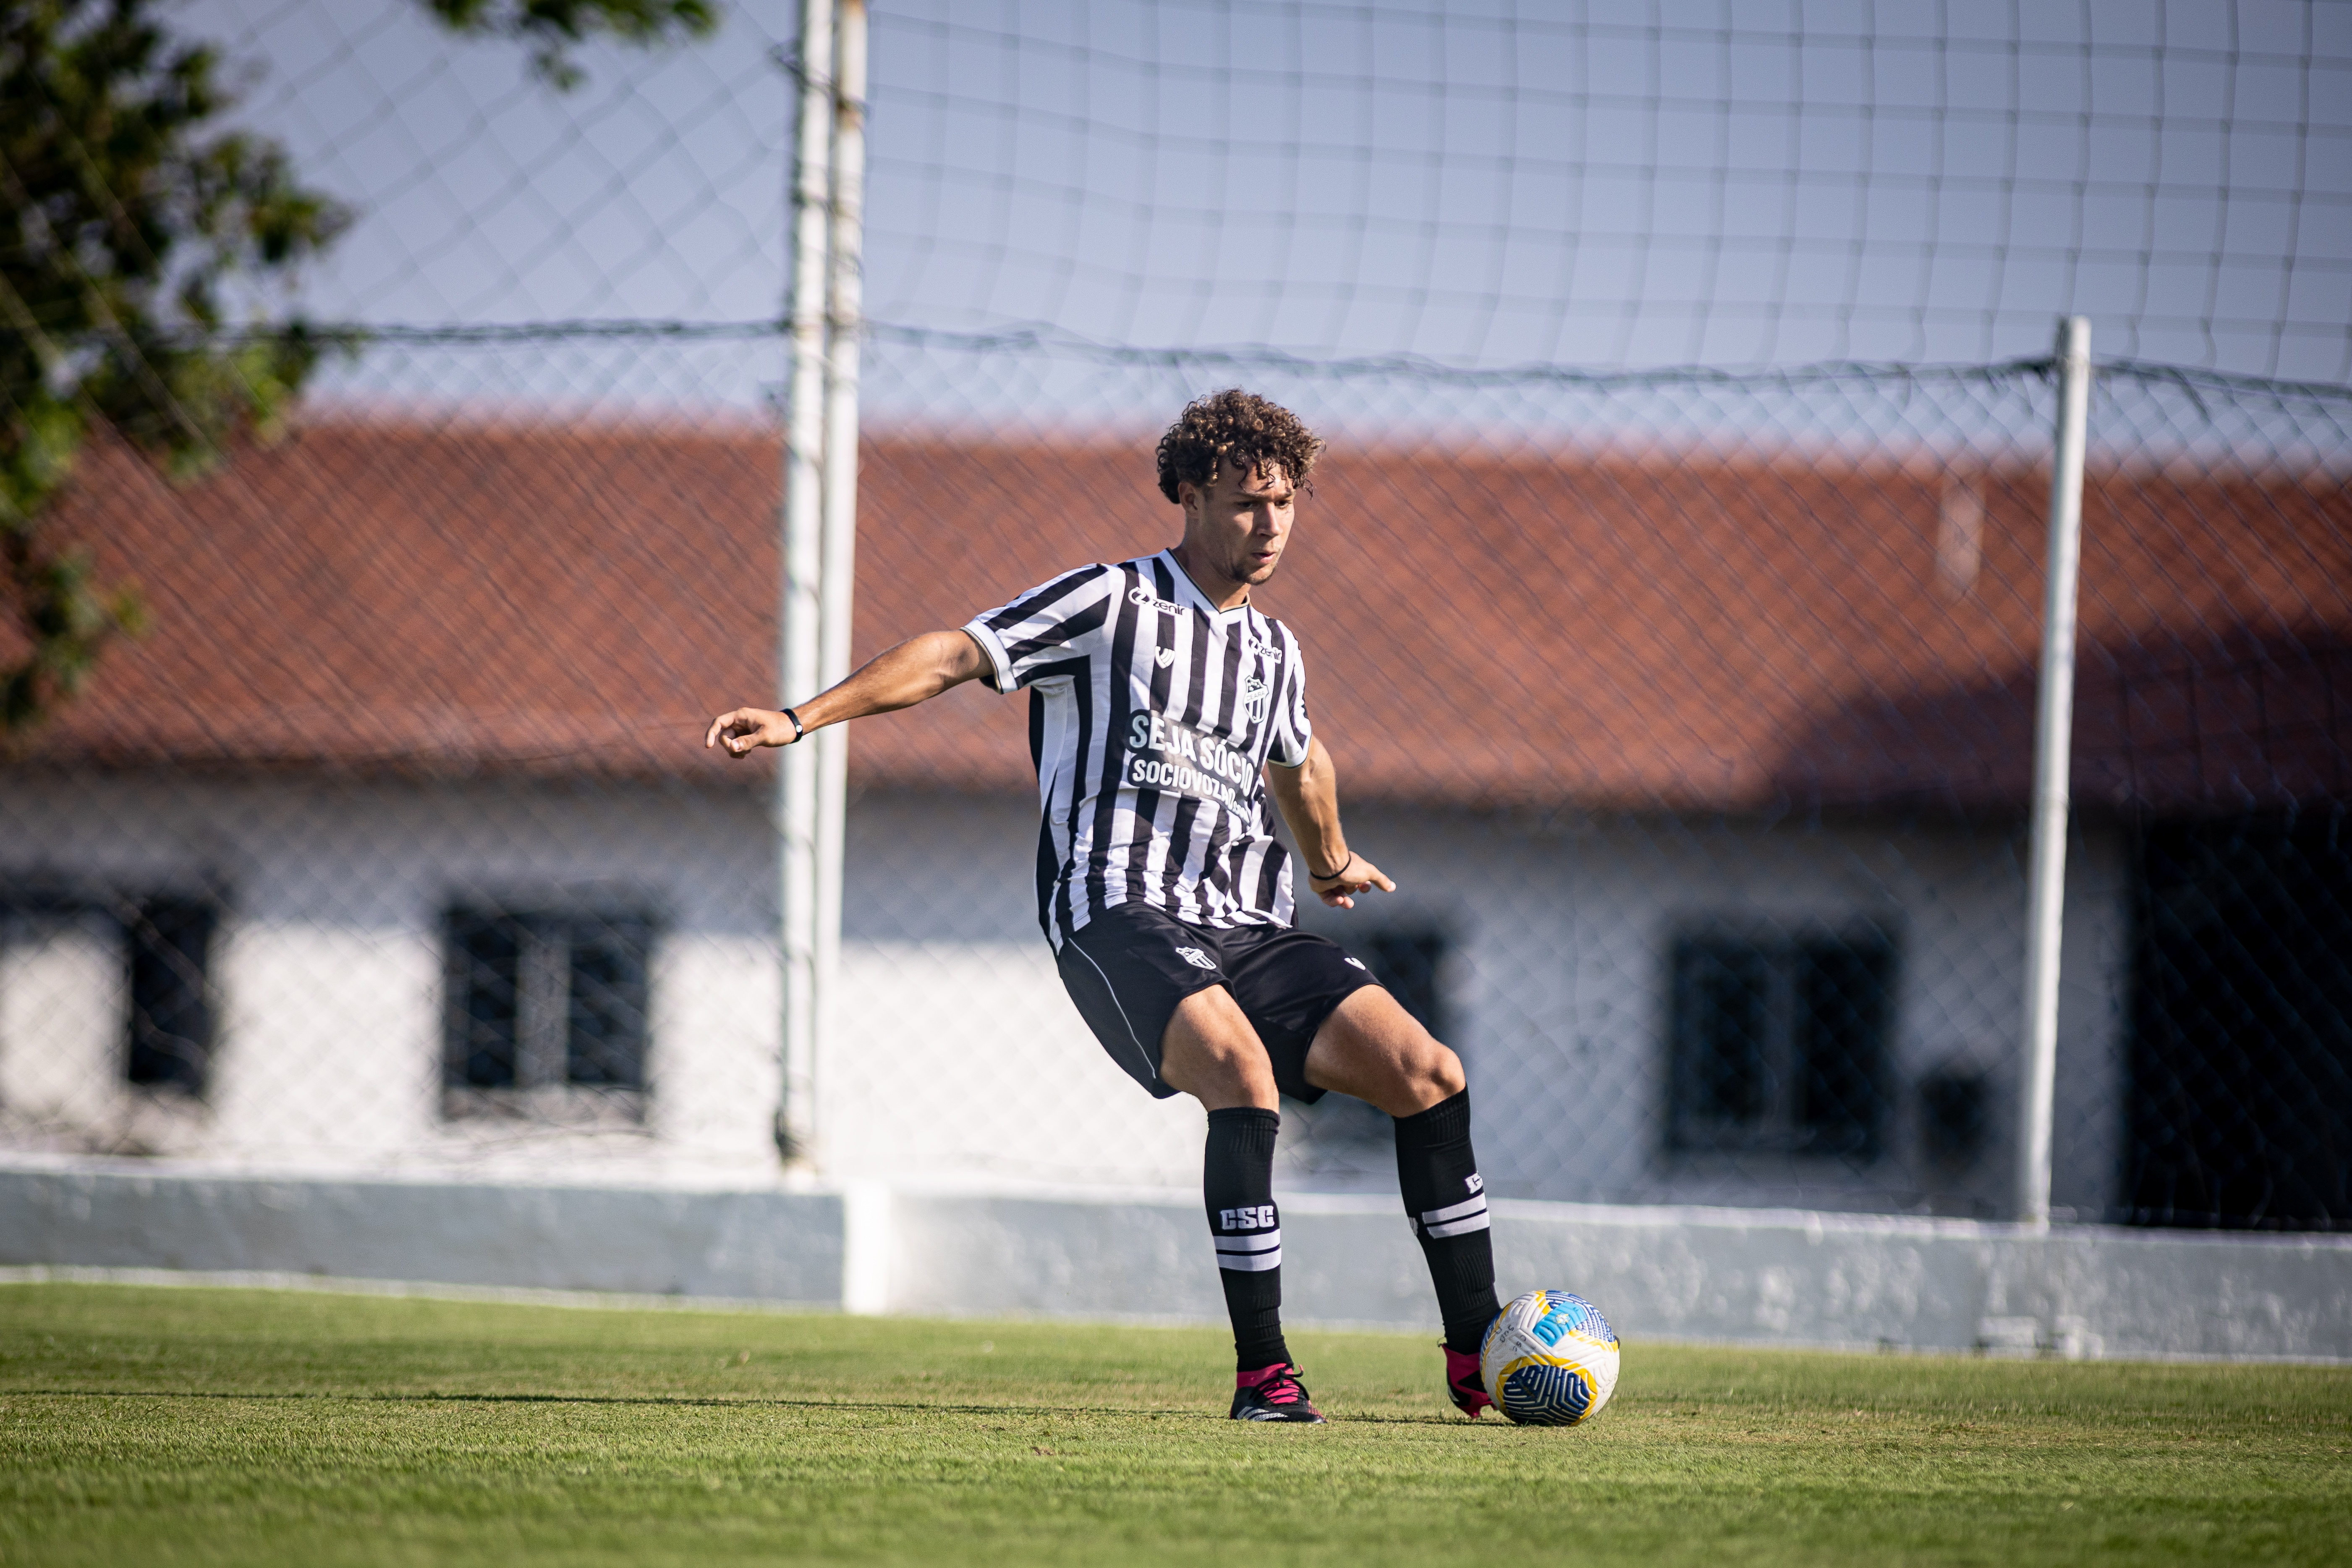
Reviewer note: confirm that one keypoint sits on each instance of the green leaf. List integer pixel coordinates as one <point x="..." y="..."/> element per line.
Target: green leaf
<point x="552" y="26"/>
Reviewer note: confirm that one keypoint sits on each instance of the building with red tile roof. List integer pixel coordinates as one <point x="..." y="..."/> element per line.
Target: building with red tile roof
<point x="1600" y="630"/>
<point x="403" y="789"/>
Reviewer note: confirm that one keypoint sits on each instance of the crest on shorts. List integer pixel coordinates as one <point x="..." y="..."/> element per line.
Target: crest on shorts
<point x="1196" y="958"/>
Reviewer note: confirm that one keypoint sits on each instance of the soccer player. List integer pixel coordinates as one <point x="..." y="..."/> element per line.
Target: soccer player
<point x="1162" y="705"/>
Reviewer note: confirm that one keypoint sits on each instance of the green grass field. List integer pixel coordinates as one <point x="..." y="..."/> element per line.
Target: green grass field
<point x="193" y="1426"/>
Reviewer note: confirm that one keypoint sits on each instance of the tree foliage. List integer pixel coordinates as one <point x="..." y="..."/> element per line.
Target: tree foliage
<point x="552" y="26"/>
<point x="124" y="221"/>
<point x="142" y="243"/>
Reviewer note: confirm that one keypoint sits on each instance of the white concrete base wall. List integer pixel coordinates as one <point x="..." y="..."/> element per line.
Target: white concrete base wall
<point x="767" y="1244"/>
<point x="1768" y="1276"/>
<point x="1747" y="1276"/>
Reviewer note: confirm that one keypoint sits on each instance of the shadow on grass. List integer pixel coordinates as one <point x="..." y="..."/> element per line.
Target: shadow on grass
<point x="690" y="1402"/>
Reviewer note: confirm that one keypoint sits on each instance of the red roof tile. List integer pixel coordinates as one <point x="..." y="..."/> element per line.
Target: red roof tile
<point x="1637" y="631"/>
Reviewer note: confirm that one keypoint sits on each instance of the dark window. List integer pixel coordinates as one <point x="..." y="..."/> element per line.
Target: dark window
<point x="484" y="1000"/>
<point x="2241" y="1098"/>
<point x="1781" y="1045"/>
<point x="1955" y="1117"/>
<point x="1841" y="1028"/>
<point x="546" y="1002"/>
<point x="171" y="943"/>
<point x="1722" y="995"/>
<point x="604" y="1031"/>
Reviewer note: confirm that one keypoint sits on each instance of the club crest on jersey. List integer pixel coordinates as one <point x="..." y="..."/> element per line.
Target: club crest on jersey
<point x="1144" y="598"/>
<point x="1255" y="697"/>
<point x="1164" y="658"/>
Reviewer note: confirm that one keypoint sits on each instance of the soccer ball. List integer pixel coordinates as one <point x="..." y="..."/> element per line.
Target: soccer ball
<point x="1549" y="1359"/>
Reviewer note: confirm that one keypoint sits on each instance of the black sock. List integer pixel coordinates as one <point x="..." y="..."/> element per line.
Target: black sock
<point x="1238" y="1180"/>
<point x="1447" y="1201"/>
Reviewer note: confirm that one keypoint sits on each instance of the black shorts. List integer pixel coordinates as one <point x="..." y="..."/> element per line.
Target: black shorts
<point x="1129" y="967"/>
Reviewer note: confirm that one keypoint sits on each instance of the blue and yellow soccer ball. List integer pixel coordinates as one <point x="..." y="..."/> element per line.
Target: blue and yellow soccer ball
<point x="1550" y="1360"/>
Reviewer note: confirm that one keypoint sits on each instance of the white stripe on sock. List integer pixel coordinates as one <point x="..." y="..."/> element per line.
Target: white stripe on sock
<point x="1250" y="1262"/>
<point x="1439" y="1216"/>
<point x="1264" y="1241"/>
<point x="1457" y="1228"/>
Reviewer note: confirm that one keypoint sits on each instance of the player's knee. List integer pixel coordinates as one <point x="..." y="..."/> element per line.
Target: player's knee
<point x="1437" y="1075"/>
<point x="1232" y="1077"/>
<point x="1211" y="1052"/>
<point x="1241" y="1062"/>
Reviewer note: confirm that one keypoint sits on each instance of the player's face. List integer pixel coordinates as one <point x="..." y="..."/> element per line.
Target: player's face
<point x="1238" y="524"/>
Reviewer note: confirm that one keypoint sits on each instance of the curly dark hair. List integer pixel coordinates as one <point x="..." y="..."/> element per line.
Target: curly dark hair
<point x="1242" y="427"/>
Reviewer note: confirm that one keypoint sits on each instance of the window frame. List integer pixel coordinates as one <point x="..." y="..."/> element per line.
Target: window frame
<point x="1775" y="1112"/>
<point x="547" y="1061"/>
<point x="34" y="908"/>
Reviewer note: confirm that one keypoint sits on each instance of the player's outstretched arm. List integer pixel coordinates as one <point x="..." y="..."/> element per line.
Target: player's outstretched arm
<point x="915" y="671"/>
<point x="1309" y="797"/>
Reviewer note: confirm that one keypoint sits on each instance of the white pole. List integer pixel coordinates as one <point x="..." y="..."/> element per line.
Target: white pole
<point x="798" y="653"/>
<point x="2054" y="733"/>
<point x="840" y="565"/>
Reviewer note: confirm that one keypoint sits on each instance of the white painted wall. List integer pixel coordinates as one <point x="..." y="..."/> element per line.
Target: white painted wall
<point x="62" y="1026"/>
<point x="954" y="1054"/>
<point x="328" y="966"/>
<point x="958" y="1051"/>
<point x="1561" y="991"/>
<point x="968" y="1060"/>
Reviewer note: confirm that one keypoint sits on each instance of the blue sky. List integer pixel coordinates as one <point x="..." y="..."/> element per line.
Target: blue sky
<point x="1734" y="183"/>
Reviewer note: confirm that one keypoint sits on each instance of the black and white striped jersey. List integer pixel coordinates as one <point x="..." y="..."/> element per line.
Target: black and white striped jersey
<point x="1153" y="714"/>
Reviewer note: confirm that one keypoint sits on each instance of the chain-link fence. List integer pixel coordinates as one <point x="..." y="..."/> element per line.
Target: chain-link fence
<point x="1692" y="710"/>
<point x="1693" y="716"/>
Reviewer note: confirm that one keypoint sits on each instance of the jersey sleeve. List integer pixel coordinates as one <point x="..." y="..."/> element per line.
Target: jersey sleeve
<point x="1053" y="622"/>
<point x="1292" y="729"/>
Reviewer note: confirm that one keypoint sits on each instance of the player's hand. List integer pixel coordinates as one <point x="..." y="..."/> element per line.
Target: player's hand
<point x="1358" y="875"/>
<point x="743" y="730"/>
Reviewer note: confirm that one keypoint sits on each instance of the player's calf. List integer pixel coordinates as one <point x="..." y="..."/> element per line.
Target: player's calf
<point x="1245" y="1228"/>
<point x="1445" y="1199"/>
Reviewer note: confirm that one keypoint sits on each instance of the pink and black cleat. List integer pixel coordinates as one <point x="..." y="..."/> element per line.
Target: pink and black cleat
<point x="1273" y="1393"/>
<point x="1467" y="1384"/>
